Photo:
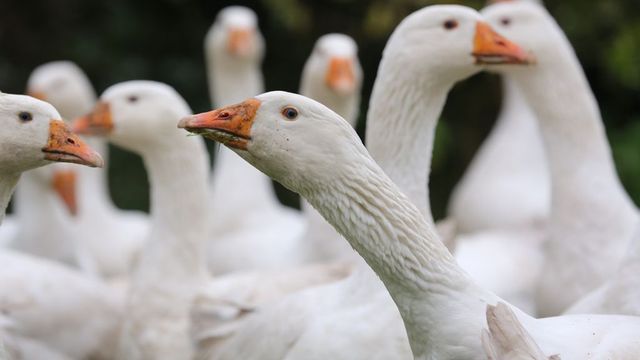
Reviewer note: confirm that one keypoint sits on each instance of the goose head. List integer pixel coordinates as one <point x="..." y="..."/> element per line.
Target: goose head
<point x="287" y="136"/>
<point x="333" y="76"/>
<point x="137" y="115"/>
<point x="530" y="25"/>
<point x="235" y="37"/>
<point x="449" y="43"/>
<point x="33" y="135"/>
<point x="64" y="85"/>
<point x="333" y="66"/>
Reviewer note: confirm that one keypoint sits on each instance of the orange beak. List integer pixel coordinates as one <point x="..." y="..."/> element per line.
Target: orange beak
<point x="340" y="76"/>
<point x="65" y="146"/>
<point x="64" y="184"/>
<point x="98" y="122"/>
<point x="240" y="41"/>
<point x="40" y="95"/>
<point x="230" y="125"/>
<point x="491" y="48"/>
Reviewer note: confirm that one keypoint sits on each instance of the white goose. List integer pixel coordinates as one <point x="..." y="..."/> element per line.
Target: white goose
<point x="140" y="116"/>
<point x="287" y="137"/>
<point x="592" y="218"/>
<point x="45" y="306"/>
<point x="332" y="76"/>
<point x="112" y="236"/>
<point x="339" y="308"/>
<point x="250" y="228"/>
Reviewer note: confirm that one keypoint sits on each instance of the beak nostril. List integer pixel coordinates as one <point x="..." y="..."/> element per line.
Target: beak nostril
<point x="224" y="115"/>
<point x="501" y="43"/>
<point x="71" y="141"/>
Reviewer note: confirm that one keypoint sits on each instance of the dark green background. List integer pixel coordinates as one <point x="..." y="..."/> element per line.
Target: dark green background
<point x="119" y="40"/>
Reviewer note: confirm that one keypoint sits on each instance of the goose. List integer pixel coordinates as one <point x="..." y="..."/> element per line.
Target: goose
<point x="592" y="219"/>
<point x="507" y="339"/>
<point x="140" y="116"/>
<point x="111" y="237"/>
<point x="332" y="75"/>
<point x="47" y="309"/>
<point x="172" y="272"/>
<point x="361" y="296"/>
<point x="506" y="185"/>
<point x="287" y="136"/>
<point x="256" y="232"/>
<point x="412" y="93"/>
<point x="619" y="294"/>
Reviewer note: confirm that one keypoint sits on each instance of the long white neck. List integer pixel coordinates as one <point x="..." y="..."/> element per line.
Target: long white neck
<point x="389" y="232"/>
<point x="236" y="185"/>
<point x="8" y="183"/>
<point x="178" y="174"/>
<point x="401" y="122"/>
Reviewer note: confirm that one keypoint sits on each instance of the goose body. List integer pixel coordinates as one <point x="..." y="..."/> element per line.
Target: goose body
<point x="251" y="229"/>
<point x="592" y="219"/>
<point x="48" y="307"/>
<point x="443" y="310"/>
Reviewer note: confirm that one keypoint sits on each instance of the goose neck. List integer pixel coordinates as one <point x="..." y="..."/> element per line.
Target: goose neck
<point x="389" y="232"/>
<point x="8" y="183"/>
<point x="401" y="122"/>
<point x="178" y="181"/>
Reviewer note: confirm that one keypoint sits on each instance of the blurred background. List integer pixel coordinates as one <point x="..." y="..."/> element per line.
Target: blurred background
<point x="118" y="40"/>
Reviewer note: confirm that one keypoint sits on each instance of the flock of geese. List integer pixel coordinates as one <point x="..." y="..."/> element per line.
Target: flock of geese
<point x="538" y="258"/>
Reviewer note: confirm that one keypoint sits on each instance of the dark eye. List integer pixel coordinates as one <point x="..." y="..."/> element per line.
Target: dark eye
<point x="25" y="116"/>
<point x="505" y="21"/>
<point x="450" y="24"/>
<point x="132" y="98"/>
<point x="290" y="113"/>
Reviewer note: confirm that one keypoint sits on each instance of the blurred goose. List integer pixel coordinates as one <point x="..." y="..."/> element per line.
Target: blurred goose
<point x="171" y="274"/>
<point x="250" y="229"/>
<point x="111" y="236"/>
<point x="287" y="137"/>
<point x="592" y="218"/>
<point x="329" y="319"/>
<point x="332" y="76"/>
<point x="46" y="307"/>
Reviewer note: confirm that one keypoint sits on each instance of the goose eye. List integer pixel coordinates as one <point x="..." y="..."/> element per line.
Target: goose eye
<point x="132" y="99"/>
<point x="450" y="24"/>
<point x="290" y="113"/>
<point x="25" y="116"/>
<point x="505" y="21"/>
